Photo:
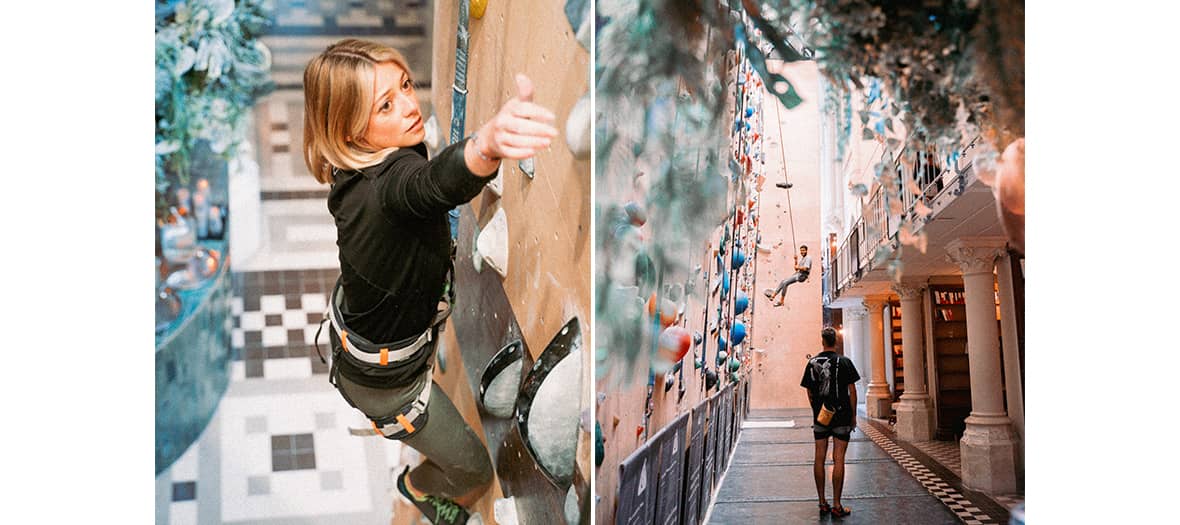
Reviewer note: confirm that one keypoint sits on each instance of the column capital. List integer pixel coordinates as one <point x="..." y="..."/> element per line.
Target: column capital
<point x="909" y="290"/>
<point x="876" y="303"/>
<point x="975" y="254"/>
<point x="855" y="313"/>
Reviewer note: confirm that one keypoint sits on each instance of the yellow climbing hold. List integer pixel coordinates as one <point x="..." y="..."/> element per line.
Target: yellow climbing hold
<point x="477" y="8"/>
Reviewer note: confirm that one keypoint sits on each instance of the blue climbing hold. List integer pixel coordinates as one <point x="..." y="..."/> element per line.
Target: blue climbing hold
<point x="738" y="333"/>
<point x="739" y="259"/>
<point x="721" y="343"/>
<point x="742" y="302"/>
<point x="749" y="112"/>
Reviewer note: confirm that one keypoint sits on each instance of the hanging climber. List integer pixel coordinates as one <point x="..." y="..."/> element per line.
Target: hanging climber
<point x="802" y="269"/>
<point x="363" y="133"/>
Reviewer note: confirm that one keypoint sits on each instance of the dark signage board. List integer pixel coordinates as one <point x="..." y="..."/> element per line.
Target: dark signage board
<point x="722" y="433"/>
<point x="710" y="451"/>
<point x="692" y="511"/>
<point x="636" y="499"/>
<point x="733" y="419"/>
<point x="671" y="443"/>
<point x="728" y="404"/>
<point x="746" y="396"/>
<point x="717" y="427"/>
<point x="741" y="403"/>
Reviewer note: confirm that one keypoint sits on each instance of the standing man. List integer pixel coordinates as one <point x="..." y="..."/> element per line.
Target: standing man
<point x="830" y="379"/>
<point x="802" y="269"/>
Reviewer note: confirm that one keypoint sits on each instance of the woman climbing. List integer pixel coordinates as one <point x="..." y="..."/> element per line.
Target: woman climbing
<point x="362" y="133"/>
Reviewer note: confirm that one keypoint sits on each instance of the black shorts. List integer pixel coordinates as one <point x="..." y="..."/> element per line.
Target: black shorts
<point x="843" y="433"/>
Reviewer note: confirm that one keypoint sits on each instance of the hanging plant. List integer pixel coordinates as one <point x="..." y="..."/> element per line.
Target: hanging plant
<point x="210" y="69"/>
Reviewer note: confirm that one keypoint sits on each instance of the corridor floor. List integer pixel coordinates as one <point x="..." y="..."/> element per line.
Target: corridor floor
<point x="770" y="479"/>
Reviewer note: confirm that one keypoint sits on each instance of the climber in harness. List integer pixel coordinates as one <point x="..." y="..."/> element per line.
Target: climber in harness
<point x="363" y="134"/>
<point x="802" y="269"/>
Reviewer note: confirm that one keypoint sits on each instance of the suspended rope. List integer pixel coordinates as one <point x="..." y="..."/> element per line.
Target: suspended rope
<point x="782" y="149"/>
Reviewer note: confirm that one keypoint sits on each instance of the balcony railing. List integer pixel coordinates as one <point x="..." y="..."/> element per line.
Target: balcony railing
<point x="884" y="215"/>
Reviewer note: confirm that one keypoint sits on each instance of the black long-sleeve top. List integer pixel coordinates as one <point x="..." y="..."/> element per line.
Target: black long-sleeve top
<point x="394" y="238"/>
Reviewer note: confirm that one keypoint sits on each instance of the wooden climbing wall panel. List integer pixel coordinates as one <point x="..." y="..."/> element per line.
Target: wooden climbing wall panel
<point x="549" y="224"/>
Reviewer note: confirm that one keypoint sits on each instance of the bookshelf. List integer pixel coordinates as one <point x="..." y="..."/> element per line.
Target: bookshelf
<point x="895" y="344"/>
<point x="950" y="353"/>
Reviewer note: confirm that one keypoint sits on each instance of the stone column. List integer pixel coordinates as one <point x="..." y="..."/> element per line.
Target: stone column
<point x="1011" y="341"/>
<point x="854" y="341"/>
<point x="915" y="420"/>
<point x="987" y="449"/>
<point x="878" y="401"/>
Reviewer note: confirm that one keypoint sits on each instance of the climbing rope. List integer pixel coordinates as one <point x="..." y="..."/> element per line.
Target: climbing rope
<point x="782" y="149"/>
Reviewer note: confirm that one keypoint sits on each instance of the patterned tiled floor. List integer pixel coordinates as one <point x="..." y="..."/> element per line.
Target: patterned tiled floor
<point x="936" y="464"/>
<point x="961" y="506"/>
<point x="277" y="450"/>
<point x="944" y="452"/>
<point x="276" y="317"/>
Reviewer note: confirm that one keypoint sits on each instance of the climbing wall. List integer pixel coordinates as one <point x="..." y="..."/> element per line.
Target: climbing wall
<point x="642" y="405"/>
<point x="625" y="418"/>
<point x="546" y="256"/>
<point x="788" y="333"/>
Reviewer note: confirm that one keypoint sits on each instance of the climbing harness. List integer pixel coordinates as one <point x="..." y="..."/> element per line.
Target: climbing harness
<point x="404" y="422"/>
<point x="363" y="354"/>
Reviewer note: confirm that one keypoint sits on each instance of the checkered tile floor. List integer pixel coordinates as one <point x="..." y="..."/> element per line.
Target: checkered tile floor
<point x="276" y="315"/>
<point x="945" y="453"/>
<point x="971" y="509"/>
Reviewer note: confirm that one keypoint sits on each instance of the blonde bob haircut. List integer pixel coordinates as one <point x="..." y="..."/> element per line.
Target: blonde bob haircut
<point x="338" y="97"/>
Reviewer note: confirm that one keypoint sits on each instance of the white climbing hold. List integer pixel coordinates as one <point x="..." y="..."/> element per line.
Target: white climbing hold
<point x="431" y="129"/>
<point x="577" y="128"/>
<point x="497" y="182"/>
<point x="504" y="510"/>
<point x="493" y="243"/>
<point x="476" y="258"/>
<point x="528" y="167"/>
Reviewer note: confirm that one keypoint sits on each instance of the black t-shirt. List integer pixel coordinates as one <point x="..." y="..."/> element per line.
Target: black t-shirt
<point x="394" y="238"/>
<point x="821" y="375"/>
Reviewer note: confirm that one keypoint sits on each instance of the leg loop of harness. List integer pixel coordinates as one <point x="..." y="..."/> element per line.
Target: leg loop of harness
<point x="317" y="339"/>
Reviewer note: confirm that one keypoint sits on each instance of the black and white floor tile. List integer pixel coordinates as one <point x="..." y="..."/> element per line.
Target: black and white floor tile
<point x="971" y="507"/>
<point x="276" y="318"/>
<point x="944" y="452"/>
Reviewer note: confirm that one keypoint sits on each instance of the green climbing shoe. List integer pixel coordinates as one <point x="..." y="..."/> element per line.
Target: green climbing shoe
<point x="437" y="509"/>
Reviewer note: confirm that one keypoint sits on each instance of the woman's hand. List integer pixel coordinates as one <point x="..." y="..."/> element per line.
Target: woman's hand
<point x="521" y="128"/>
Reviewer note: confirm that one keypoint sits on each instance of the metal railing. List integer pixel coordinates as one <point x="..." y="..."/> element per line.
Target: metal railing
<point x="855" y="254"/>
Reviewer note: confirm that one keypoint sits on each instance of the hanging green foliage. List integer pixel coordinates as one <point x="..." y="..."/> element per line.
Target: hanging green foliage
<point x="210" y="69"/>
